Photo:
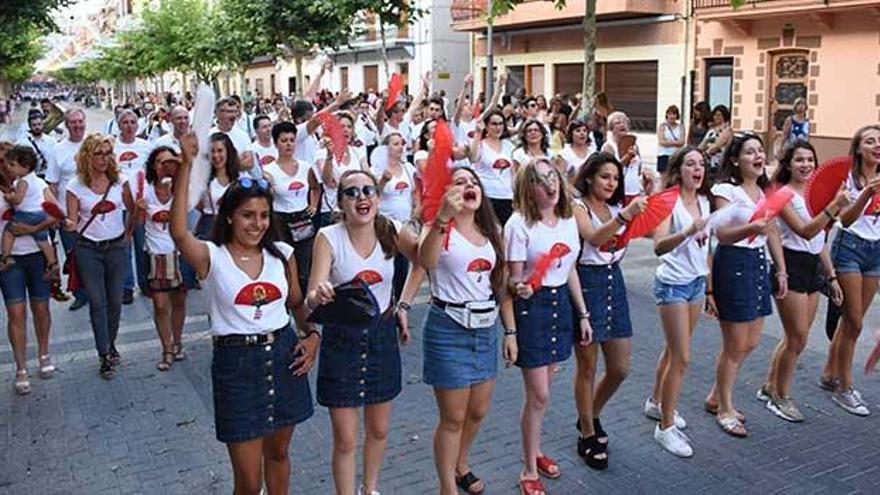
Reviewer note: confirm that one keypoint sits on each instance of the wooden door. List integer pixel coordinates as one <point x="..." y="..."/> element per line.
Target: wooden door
<point x="371" y="78"/>
<point x="789" y="80"/>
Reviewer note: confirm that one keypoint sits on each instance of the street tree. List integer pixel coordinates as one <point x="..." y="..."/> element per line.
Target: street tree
<point x="24" y="22"/>
<point x="396" y="13"/>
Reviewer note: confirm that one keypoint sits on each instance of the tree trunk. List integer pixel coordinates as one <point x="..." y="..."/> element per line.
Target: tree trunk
<point x="242" y="87"/>
<point x="384" y="51"/>
<point x="588" y="89"/>
<point x="300" y="83"/>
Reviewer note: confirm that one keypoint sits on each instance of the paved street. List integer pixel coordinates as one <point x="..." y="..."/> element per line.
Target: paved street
<point x="150" y="432"/>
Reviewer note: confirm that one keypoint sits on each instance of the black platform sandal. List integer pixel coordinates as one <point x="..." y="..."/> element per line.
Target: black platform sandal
<point x="592" y="452"/>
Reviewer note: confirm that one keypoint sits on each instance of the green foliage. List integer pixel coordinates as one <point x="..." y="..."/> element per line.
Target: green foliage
<point x="24" y="22"/>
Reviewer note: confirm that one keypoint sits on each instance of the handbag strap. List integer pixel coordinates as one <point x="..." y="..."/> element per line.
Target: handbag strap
<point x="91" y="218"/>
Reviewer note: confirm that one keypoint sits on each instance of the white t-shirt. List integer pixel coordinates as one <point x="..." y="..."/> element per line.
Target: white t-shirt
<point x="738" y="212"/>
<point x="264" y="155"/>
<point x="108" y="224"/>
<point x="290" y="193"/>
<point x="375" y="270"/>
<point x="404" y="129"/>
<point x="307" y="145"/>
<point x="632" y="177"/>
<point x="522" y="157"/>
<point x="789" y="237"/>
<point x="212" y="196"/>
<point x="240" y="304"/>
<point x="689" y="259"/>
<point x="62" y="168"/>
<point x="364" y="131"/>
<point x="23" y="244"/>
<point x="396" y="199"/>
<point x="866" y="225"/>
<point x="495" y="170"/>
<point x="239" y="138"/>
<point x="35" y="194"/>
<point x="670" y="134"/>
<point x="608" y="253"/>
<point x="131" y="157"/>
<point x="573" y="162"/>
<point x="157" y="235"/>
<point x="168" y="140"/>
<point x="45" y="148"/>
<point x="529" y="243"/>
<point x="464" y="271"/>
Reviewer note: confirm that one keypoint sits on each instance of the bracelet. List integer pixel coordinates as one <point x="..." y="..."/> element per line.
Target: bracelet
<point x="313" y="332"/>
<point x="782" y="274"/>
<point x="584" y="316"/>
<point x="509" y="331"/>
<point x="404" y="305"/>
<point x="829" y="215"/>
<point x="621" y="219"/>
<point x="832" y="278"/>
<point x="709" y="293"/>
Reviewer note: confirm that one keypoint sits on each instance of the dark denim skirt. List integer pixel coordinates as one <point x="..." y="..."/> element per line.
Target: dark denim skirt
<point x="544" y="324"/>
<point x="359" y="366"/>
<point x="741" y="283"/>
<point x="605" y="296"/>
<point x="255" y="392"/>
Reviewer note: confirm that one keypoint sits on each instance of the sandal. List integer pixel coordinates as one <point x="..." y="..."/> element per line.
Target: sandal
<point x="115" y="358"/>
<point x="106" y="370"/>
<point x="177" y="350"/>
<point x="597" y="431"/>
<point x="467" y="481"/>
<point x="592" y="452"/>
<point x="52" y="272"/>
<point x="548" y="467"/>
<point x="531" y="487"/>
<point x="732" y="426"/>
<point x="47" y="369"/>
<point x="165" y="363"/>
<point x="21" y="384"/>
<point x="712" y="408"/>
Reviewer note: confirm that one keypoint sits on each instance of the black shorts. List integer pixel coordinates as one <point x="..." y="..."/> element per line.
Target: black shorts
<point x="804" y="271"/>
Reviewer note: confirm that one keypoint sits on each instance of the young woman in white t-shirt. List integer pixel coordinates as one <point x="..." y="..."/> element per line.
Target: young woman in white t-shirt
<point x="360" y="365"/>
<point x="579" y="146"/>
<point x="550" y="313"/>
<point x="670" y="137"/>
<point x="328" y="169"/>
<point x="98" y="195"/>
<point x="856" y="257"/>
<point x="259" y="365"/>
<point x="740" y="278"/>
<point x="224" y="170"/>
<point x="681" y="241"/>
<point x="491" y="154"/>
<point x="153" y="208"/>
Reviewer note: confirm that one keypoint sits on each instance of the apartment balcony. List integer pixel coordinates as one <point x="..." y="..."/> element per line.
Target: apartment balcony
<point x="821" y="10"/>
<point x="469" y="15"/>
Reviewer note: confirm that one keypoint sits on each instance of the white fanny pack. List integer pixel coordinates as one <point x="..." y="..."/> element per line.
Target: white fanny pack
<point x="473" y="315"/>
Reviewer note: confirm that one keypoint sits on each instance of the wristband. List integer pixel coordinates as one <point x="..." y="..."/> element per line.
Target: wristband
<point x="584" y="316"/>
<point x="404" y="305"/>
<point x="829" y="215"/>
<point x="709" y="293"/>
<point x="621" y="219"/>
<point x="509" y="331"/>
<point x="832" y="278"/>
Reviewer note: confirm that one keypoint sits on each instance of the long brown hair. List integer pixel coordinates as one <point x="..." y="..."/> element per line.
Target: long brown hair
<point x="386" y="233"/>
<point x="524" y="200"/>
<point x="672" y="177"/>
<point x="89" y="146"/>
<point x="857" y="158"/>
<point x="5" y="146"/>
<point x="488" y="225"/>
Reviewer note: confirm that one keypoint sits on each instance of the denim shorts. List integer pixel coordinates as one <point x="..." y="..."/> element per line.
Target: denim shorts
<point x="359" y="366"/>
<point x="692" y="291"/>
<point x="852" y="254"/>
<point x="255" y="392"/>
<point x="454" y="356"/>
<point x="32" y="218"/>
<point x="741" y="283"/>
<point x="605" y="296"/>
<point x="24" y="280"/>
<point x="544" y="327"/>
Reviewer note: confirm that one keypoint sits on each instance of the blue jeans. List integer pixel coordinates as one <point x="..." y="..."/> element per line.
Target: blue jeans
<point x="67" y="242"/>
<point x="101" y="267"/>
<point x="140" y="260"/>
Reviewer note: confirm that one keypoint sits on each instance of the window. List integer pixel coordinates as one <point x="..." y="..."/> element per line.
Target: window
<point x="343" y="77"/>
<point x="516" y="78"/>
<point x="719" y="82"/>
<point x="291" y="85"/>
<point x="272" y="85"/>
<point x="258" y="84"/>
<point x="535" y="81"/>
<point x="371" y="78"/>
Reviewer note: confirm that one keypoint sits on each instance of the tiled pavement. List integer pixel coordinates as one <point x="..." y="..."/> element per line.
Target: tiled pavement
<point x="150" y="432"/>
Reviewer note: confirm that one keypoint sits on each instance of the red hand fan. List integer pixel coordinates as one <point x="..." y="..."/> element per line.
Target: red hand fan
<point x="824" y="183"/>
<point x="394" y="87"/>
<point x="53" y="210"/>
<point x="773" y="202"/>
<point x="541" y="267"/>
<point x="332" y="128"/>
<point x="437" y="173"/>
<point x="659" y="207"/>
<point x="874" y="207"/>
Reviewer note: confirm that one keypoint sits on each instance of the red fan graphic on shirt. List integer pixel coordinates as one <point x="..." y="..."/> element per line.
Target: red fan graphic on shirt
<point x="559" y="251"/>
<point x="659" y="208"/>
<point x="258" y="294"/>
<point x="266" y="159"/>
<point x="102" y="207"/>
<point x="501" y="164"/>
<point x="401" y="185"/>
<point x="369" y="277"/>
<point x="824" y="183"/>
<point x="612" y="245"/>
<point x="394" y="87"/>
<point x="161" y="216"/>
<point x="556" y="252"/>
<point x="479" y="266"/>
<point x="7" y="214"/>
<point x="771" y="204"/>
<point x="52" y="209"/>
<point x="332" y="128"/>
<point x="295" y="186"/>
<point x="127" y="156"/>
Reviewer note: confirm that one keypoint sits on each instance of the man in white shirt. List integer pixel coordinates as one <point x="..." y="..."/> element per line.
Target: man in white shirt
<point x="226" y="111"/>
<point x="263" y="148"/>
<point x="42" y="144"/>
<point x="62" y="168"/>
<point x="179" y="127"/>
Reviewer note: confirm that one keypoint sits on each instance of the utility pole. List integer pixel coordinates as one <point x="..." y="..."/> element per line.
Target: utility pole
<point x="490" y="56"/>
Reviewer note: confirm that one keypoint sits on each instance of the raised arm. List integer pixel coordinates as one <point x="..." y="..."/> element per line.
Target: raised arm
<point x="194" y="251"/>
<point x="313" y="88"/>
<point x="462" y="96"/>
<point x="420" y="96"/>
<point x="497" y="93"/>
<point x="341" y="98"/>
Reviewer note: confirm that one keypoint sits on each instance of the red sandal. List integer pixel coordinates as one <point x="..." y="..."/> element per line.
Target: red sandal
<point x="547" y="467"/>
<point x="531" y="487"/>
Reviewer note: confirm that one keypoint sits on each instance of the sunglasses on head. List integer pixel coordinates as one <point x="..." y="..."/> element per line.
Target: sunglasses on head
<point x="248" y="183"/>
<point x="356" y="192"/>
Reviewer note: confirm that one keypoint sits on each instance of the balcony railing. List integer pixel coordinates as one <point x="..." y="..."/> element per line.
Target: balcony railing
<point x="755" y="4"/>
<point x="468" y="10"/>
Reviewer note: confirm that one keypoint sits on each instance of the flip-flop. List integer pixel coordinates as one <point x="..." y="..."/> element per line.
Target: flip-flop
<point x="732" y="427"/>
<point x="467" y="481"/>
<point x="548" y="467"/>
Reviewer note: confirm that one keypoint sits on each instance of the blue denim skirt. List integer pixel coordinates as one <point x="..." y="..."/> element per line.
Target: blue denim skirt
<point x="454" y="356"/>
<point x="255" y="392"/>
<point x="544" y="324"/>
<point x="605" y="296"/>
<point x="741" y="283"/>
<point x="359" y="366"/>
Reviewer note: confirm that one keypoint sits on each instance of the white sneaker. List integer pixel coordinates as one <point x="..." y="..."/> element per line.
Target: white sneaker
<point x="674" y="441"/>
<point x="652" y="410"/>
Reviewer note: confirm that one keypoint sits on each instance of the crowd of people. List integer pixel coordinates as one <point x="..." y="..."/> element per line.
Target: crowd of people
<point x="288" y="221"/>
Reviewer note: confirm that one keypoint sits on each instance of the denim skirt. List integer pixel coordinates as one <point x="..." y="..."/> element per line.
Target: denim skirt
<point x="454" y="356"/>
<point x="359" y="366"/>
<point x="741" y="283"/>
<point x="605" y="296"/>
<point x="255" y="392"/>
<point x="544" y="324"/>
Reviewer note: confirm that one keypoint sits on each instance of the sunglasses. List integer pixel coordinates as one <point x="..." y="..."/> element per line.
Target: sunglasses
<point x="102" y="153"/>
<point x="532" y="105"/>
<point x="547" y="178"/>
<point x="356" y="192"/>
<point x="248" y="183"/>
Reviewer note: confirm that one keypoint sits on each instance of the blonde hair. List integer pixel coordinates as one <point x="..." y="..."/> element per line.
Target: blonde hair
<point x="524" y="200"/>
<point x="90" y="145"/>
